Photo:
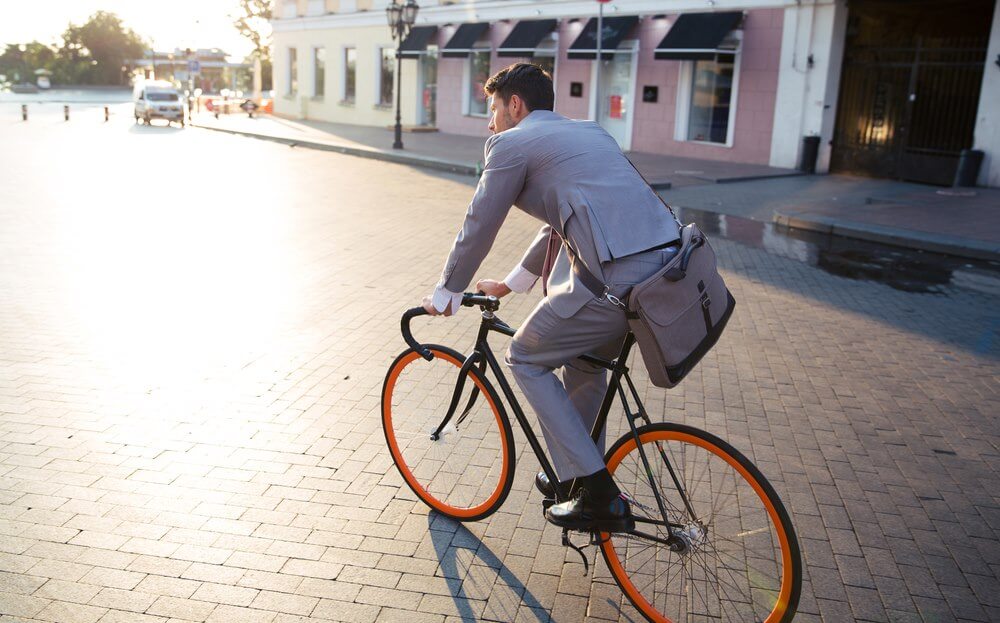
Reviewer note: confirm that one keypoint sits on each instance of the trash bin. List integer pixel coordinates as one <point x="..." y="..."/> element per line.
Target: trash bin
<point x="969" y="161"/>
<point x="810" y="151"/>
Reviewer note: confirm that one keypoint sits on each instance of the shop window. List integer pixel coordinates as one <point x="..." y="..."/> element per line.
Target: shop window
<point x="478" y="74"/>
<point x="350" y="73"/>
<point x="319" y="72"/>
<point x="711" y="101"/>
<point x="387" y="72"/>
<point x="293" y="71"/>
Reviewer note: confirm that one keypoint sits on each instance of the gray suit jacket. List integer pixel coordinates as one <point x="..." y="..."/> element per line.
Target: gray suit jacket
<point x="572" y="176"/>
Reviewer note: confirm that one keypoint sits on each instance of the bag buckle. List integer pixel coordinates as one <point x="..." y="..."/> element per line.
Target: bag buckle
<point x="617" y="302"/>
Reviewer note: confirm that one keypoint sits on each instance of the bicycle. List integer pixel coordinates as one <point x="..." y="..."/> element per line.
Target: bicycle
<point x="712" y="539"/>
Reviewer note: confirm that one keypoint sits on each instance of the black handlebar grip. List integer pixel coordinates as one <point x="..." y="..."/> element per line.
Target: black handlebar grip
<point x="408" y="337"/>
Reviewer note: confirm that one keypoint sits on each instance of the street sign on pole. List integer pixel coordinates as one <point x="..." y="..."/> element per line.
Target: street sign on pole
<point x="194" y="67"/>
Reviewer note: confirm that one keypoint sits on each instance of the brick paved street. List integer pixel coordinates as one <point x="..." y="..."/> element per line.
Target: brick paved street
<point x="189" y="398"/>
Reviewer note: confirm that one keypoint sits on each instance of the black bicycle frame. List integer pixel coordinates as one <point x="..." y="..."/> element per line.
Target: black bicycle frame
<point x="482" y="355"/>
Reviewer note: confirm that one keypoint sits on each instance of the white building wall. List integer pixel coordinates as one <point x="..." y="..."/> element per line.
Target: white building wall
<point x="331" y="107"/>
<point x="806" y="103"/>
<point x="987" y="132"/>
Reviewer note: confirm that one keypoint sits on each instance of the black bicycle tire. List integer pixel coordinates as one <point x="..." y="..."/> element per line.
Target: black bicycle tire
<point x="772" y="495"/>
<point x="507" y="432"/>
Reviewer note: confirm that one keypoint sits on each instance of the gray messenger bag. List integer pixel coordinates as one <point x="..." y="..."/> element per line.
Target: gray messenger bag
<point x="678" y="314"/>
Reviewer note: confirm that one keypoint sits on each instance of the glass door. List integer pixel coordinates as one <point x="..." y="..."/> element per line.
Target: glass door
<point x="428" y="87"/>
<point x="615" y="103"/>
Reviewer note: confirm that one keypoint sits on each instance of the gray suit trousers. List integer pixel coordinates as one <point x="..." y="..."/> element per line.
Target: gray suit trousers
<point x="567" y="410"/>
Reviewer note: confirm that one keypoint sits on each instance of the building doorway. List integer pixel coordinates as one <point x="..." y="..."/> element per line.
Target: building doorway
<point x="614" y="107"/>
<point x="428" y="87"/>
<point x="909" y="90"/>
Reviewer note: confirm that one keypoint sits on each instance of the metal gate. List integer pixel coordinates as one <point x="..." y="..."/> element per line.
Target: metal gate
<point x="906" y="111"/>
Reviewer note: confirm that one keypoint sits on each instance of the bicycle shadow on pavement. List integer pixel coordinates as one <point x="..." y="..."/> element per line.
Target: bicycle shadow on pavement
<point x="481" y="585"/>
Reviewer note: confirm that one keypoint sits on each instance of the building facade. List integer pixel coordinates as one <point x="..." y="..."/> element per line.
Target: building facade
<point x="889" y="88"/>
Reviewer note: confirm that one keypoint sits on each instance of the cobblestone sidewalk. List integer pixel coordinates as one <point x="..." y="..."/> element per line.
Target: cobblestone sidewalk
<point x="189" y="405"/>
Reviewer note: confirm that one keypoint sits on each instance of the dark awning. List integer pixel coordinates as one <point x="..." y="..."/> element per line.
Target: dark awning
<point x="462" y="42"/>
<point x="697" y="36"/>
<point x="523" y="40"/>
<point x="615" y="29"/>
<point x="416" y="42"/>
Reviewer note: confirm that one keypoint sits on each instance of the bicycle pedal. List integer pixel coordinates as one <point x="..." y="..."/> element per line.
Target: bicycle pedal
<point x="547" y="503"/>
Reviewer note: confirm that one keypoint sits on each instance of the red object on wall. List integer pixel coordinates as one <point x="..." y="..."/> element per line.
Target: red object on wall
<point x="615" y="107"/>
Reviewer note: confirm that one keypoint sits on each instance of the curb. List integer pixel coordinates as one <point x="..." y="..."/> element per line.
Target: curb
<point x="361" y="152"/>
<point x="921" y="241"/>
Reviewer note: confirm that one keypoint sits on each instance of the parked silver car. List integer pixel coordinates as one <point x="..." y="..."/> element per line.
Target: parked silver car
<point x="158" y="99"/>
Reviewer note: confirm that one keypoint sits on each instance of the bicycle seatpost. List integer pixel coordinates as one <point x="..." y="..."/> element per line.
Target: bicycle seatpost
<point x="408" y="337"/>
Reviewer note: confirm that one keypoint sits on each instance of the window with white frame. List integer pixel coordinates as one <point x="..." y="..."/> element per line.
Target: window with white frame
<point x="386" y="74"/>
<point x="711" y="98"/>
<point x="319" y="72"/>
<point x="350" y="73"/>
<point x="478" y="73"/>
<point x="545" y="55"/>
<point x="293" y="71"/>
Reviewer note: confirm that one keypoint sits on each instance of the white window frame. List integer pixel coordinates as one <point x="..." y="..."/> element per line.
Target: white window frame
<point x="684" y="79"/>
<point x="315" y="69"/>
<point x="467" y="84"/>
<point x="343" y="74"/>
<point x="378" y="76"/>
<point x="554" y="37"/>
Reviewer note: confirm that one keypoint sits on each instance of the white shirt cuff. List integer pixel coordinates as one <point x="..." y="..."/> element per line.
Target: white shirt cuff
<point x="442" y="297"/>
<point x="520" y="280"/>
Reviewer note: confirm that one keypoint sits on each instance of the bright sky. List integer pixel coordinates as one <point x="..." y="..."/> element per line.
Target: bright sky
<point x="172" y="24"/>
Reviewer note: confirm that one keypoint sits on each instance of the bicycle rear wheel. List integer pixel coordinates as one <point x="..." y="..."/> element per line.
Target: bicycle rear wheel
<point x="466" y="471"/>
<point x="739" y="556"/>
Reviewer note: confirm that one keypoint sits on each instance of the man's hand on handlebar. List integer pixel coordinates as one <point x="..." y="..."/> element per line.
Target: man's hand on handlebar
<point x="432" y="311"/>
<point x="493" y="288"/>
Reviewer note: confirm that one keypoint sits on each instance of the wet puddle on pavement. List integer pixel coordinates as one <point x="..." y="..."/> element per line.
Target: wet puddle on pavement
<point x="900" y="268"/>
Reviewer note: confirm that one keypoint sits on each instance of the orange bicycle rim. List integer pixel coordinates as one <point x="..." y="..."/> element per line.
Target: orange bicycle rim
<point x="404" y="469"/>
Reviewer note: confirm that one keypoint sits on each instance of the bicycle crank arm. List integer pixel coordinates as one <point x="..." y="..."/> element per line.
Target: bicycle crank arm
<point x="456" y="396"/>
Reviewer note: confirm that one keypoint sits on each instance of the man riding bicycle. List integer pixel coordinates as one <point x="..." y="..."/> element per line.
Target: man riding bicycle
<point x="604" y="230"/>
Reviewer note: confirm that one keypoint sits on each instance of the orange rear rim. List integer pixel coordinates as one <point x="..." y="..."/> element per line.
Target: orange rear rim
<point x="404" y="468"/>
<point x="621" y="574"/>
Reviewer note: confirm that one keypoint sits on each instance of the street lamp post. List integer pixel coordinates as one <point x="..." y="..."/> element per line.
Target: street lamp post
<point x="401" y="18"/>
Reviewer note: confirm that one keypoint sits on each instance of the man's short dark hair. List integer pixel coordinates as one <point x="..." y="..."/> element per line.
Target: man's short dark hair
<point x="529" y="82"/>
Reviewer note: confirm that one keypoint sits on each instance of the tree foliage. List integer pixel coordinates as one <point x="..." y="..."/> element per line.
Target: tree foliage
<point x="254" y="23"/>
<point x="97" y="50"/>
<point x="92" y="53"/>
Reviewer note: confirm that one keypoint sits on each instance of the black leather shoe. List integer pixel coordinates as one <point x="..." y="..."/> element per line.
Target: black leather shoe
<point x="597" y="505"/>
<point x="586" y="513"/>
<point x="548" y="491"/>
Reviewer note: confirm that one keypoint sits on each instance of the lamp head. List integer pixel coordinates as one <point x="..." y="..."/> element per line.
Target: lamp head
<point x="393" y="13"/>
<point x="410" y="12"/>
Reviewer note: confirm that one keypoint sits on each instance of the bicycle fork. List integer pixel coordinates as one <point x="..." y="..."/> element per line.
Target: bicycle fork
<point x="463" y="373"/>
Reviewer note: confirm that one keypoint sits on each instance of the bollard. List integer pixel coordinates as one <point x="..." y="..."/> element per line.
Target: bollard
<point x="105" y="114"/>
<point x="24" y="112"/>
<point x="66" y="112"/>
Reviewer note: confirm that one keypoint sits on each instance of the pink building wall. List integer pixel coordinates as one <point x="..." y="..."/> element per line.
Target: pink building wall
<point x="450" y="115"/>
<point x="653" y="126"/>
<point x="760" y="55"/>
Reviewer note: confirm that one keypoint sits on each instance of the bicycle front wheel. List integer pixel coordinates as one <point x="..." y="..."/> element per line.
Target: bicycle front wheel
<point x="462" y="467"/>
<point x="737" y="556"/>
